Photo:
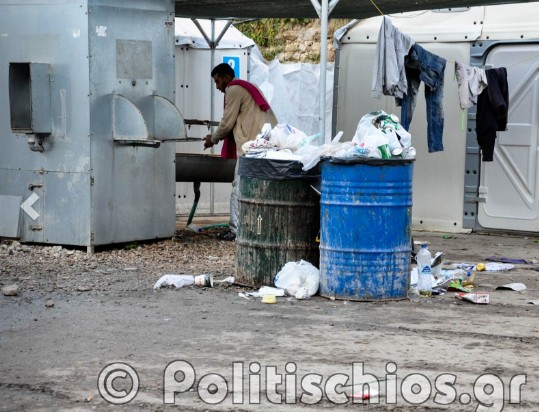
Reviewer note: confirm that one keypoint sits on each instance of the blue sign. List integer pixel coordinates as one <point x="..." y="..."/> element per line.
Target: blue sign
<point x="234" y="62"/>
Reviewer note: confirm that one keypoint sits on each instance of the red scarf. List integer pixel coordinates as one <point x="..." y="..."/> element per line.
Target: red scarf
<point x="229" y="150"/>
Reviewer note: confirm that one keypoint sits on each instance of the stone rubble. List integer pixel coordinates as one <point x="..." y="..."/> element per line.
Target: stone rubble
<point x="45" y="269"/>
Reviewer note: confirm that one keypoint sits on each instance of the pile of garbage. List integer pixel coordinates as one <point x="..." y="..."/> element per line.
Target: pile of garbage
<point x="379" y="135"/>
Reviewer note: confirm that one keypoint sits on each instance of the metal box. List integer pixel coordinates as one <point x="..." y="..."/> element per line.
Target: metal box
<point x="95" y="166"/>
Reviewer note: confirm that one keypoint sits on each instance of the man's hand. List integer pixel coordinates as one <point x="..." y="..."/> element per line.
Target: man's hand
<point x="207" y="141"/>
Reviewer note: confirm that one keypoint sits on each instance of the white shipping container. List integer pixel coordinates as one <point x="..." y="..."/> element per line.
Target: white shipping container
<point x="453" y="190"/>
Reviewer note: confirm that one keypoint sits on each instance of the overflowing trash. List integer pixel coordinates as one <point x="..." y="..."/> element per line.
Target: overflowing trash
<point x="379" y="135"/>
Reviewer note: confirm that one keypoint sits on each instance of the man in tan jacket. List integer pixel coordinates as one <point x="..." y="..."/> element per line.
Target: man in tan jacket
<point x="246" y="111"/>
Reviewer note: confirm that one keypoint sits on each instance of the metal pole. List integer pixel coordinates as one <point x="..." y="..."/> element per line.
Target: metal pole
<point x="212" y="111"/>
<point x="323" y="69"/>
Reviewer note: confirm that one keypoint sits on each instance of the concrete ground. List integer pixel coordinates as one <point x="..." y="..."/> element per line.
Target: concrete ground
<point x="220" y="351"/>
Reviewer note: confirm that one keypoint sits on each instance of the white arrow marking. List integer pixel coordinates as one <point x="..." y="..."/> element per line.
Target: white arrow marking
<point x="259" y="225"/>
<point x="27" y="206"/>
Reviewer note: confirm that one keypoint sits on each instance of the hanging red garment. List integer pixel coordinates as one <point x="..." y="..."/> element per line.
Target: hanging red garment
<point x="229" y="150"/>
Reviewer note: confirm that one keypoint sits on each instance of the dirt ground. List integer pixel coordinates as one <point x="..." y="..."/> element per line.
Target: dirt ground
<point x="220" y="351"/>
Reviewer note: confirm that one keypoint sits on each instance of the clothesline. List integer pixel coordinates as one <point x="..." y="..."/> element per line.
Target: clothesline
<point x="450" y="61"/>
<point x="402" y="64"/>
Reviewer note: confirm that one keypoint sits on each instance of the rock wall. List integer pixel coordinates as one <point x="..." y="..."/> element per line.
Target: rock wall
<point x="300" y="42"/>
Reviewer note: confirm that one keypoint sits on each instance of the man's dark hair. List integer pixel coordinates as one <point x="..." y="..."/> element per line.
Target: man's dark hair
<point x="222" y="70"/>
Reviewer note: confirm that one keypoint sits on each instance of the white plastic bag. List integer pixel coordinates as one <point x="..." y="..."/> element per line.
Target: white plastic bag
<point x="367" y="133"/>
<point x="287" y="137"/>
<point x="369" y="136"/>
<point x="300" y="277"/>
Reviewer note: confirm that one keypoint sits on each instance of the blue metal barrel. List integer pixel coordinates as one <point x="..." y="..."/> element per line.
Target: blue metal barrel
<point x="365" y="228"/>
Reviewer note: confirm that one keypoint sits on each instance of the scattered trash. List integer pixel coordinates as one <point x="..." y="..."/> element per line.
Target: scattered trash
<point x="424" y="268"/>
<point x="498" y="267"/>
<point x="49" y="303"/>
<point x="448" y="237"/>
<point x="479" y="298"/>
<point x="230" y="280"/>
<point x="194" y="228"/>
<point x="456" y="285"/>
<point x="437" y="263"/>
<point x="464" y="266"/>
<point x="268" y="290"/>
<point x="441" y="281"/>
<point x="480" y="267"/>
<point x="263" y="291"/>
<point x="296" y="275"/>
<point x="507" y="260"/>
<point x="489" y="267"/>
<point x="132" y="269"/>
<point x="512" y="286"/>
<point x="204" y="281"/>
<point x="178" y="281"/>
<point x="534" y="302"/>
<point x="11" y="290"/>
<point x="269" y="299"/>
<point x="468" y="281"/>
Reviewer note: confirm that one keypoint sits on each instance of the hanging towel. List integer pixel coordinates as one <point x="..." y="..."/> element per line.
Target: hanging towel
<point x="492" y="109"/>
<point x="471" y="82"/>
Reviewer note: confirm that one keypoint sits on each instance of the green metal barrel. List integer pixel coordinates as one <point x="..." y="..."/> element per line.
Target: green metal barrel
<point x="279" y="219"/>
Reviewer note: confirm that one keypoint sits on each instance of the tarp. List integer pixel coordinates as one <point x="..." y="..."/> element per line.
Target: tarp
<point x="293" y="91"/>
<point x="345" y="9"/>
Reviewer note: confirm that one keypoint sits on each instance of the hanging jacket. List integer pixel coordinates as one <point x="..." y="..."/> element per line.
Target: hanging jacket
<point x="492" y="109"/>
<point x="389" y="77"/>
<point x="246" y="111"/>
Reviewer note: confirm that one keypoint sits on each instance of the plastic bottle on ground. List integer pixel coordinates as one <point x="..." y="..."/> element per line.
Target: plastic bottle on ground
<point x="424" y="271"/>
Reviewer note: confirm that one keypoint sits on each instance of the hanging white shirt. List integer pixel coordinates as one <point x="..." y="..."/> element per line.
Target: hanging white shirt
<point x="471" y="82"/>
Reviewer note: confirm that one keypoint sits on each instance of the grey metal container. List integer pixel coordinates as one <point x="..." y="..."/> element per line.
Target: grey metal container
<point x="86" y="92"/>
